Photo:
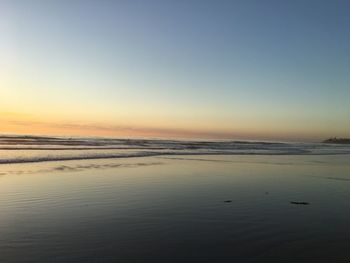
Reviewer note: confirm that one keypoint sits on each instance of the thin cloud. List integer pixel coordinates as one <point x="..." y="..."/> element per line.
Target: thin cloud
<point x="119" y="130"/>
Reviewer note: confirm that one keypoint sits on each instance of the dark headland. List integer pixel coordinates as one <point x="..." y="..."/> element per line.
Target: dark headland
<point x="338" y="140"/>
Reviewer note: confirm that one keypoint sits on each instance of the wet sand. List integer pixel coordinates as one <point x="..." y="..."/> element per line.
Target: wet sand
<point x="177" y="209"/>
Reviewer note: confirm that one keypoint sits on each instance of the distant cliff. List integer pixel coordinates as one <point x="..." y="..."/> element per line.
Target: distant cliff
<point x="337" y="140"/>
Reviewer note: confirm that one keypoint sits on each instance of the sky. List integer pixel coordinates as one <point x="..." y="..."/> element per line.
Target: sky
<point x="238" y="69"/>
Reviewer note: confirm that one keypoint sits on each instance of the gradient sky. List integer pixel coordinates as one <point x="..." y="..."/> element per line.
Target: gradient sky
<point x="212" y="69"/>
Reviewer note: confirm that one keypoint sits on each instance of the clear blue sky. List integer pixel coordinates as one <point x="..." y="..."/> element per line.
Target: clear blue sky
<point x="255" y="69"/>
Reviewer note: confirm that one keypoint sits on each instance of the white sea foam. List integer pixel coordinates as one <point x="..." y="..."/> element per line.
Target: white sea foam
<point x="22" y="149"/>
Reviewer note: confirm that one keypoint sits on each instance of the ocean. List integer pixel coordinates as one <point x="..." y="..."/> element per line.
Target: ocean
<point x="137" y="200"/>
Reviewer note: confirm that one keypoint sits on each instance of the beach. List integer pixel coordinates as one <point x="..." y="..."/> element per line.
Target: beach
<point x="175" y="208"/>
<point x="174" y="131"/>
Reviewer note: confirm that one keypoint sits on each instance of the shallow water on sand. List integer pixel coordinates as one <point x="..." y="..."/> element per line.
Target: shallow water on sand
<point x="173" y="209"/>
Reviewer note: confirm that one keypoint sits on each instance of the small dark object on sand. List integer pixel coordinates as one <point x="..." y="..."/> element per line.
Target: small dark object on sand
<point x="266" y="193"/>
<point x="299" y="203"/>
<point x="227" y="201"/>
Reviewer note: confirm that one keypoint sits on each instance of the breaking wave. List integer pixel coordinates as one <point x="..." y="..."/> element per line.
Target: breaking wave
<point x="23" y="149"/>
